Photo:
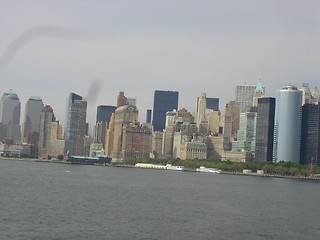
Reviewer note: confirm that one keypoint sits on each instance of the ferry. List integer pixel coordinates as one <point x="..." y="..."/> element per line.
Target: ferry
<point x="174" y="168"/>
<point x="208" y="170"/>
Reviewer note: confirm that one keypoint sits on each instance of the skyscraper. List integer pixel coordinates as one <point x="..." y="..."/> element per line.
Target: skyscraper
<point x="76" y="123"/>
<point x="211" y="103"/>
<point x="164" y="101"/>
<point x="46" y="119"/>
<point x="31" y="125"/>
<point x="265" y="129"/>
<point x="149" y="114"/>
<point x="10" y="115"/>
<point x="244" y="96"/>
<point x="310" y="135"/>
<point x="104" y="113"/>
<point x="288" y="125"/>
<point x="202" y="121"/>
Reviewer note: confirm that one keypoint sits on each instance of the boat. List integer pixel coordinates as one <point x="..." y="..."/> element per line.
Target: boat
<point x="99" y="160"/>
<point x="203" y="169"/>
<point x="174" y="168"/>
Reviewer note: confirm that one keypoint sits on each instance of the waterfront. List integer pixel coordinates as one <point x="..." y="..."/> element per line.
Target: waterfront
<point x="62" y="201"/>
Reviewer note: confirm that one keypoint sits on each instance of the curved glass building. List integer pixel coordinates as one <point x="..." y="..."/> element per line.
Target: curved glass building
<point x="288" y="125"/>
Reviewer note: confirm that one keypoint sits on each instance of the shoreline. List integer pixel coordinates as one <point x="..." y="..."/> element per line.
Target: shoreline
<point x="315" y="178"/>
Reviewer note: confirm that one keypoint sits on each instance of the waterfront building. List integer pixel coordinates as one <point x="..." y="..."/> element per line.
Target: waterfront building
<point x="156" y="144"/>
<point x="123" y="115"/>
<point x="193" y="150"/>
<point x="265" y="129"/>
<point x="100" y="130"/>
<point x="121" y="99"/>
<point x="136" y="140"/>
<point x="234" y="109"/>
<point x="288" y="125"/>
<point x="10" y="108"/>
<point x="75" y="130"/>
<point x="148" y="118"/>
<point x="56" y="130"/>
<point x="164" y="101"/>
<point x="31" y="126"/>
<point x="310" y="135"/>
<point x="46" y="119"/>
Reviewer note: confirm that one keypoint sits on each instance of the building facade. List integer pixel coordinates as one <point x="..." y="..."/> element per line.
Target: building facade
<point x="75" y="129"/>
<point x="288" y="125"/>
<point x="164" y="101"/>
<point x="265" y="129"/>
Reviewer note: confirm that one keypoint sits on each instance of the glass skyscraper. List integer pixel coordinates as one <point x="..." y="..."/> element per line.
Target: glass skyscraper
<point x="288" y="125"/>
<point x="75" y="129"/>
<point x="164" y="101"/>
<point x="265" y="129"/>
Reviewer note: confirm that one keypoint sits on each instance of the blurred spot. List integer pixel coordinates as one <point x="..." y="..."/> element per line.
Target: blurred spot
<point x="94" y="91"/>
<point x="43" y="31"/>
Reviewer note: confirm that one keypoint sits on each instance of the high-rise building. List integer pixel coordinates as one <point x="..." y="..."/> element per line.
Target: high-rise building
<point x="121" y="99"/>
<point x="211" y="103"/>
<point x="76" y="124"/>
<point x="10" y="115"/>
<point x="306" y="94"/>
<point x="265" y="129"/>
<point x="202" y="121"/>
<point x="288" y="125"/>
<point x="310" y="135"/>
<point x="31" y="127"/>
<point x="104" y="113"/>
<point x="148" y="119"/>
<point x="258" y="93"/>
<point x="164" y="101"/>
<point x="244" y="96"/>
<point x="123" y="116"/>
<point x="46" y="119"/>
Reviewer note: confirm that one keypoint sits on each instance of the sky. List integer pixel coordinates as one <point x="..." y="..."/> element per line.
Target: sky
<point x="52" y="48"/>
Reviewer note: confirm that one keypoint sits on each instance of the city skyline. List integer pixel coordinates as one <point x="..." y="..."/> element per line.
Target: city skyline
<point x="138" y="47"/>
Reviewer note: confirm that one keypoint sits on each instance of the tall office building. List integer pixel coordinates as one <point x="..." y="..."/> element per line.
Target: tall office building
<point x="245" y="95"/>
<point x="76" y="124"/>
<point x="310" y="135"/>
<point x="46" y="119"/>
<point x="10" y="115"/>
<point x="121" y="99"/>
<point x="211" y="103"/>
<point x="202" y="121"/>
<point x="31" y="126"/>
<point x="104" y="113"/>
<point x="265" y="129"/>
<point x="164" y="101"/>
<point x="258" y="93"/>
<point x="149" y="114"/>
<point x="288" y="125"/>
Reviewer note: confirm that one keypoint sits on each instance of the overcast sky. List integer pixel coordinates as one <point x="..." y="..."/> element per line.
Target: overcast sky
<point x="52" y="48"/>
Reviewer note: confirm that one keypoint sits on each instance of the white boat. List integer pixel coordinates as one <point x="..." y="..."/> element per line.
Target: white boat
<point x="174" y="168"/>
<point x="208" y="170"/>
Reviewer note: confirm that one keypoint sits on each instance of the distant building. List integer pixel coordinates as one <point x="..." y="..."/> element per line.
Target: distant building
<point x="10" y="116"/>
<point x="310" y="135"/>
<point x="258" y="93"/>
<point x="75" y="130"/>
<point x="149" y="115"/>
<point x="202" y="121"/>
<point x="31" y="126"/>
<point x="193" y="150"/>
<point x="265" y="129"/>
<point x="211" y="103"/>
<point x="121" y="99"/>
<point x="136" y="140"/>
<point x="164" y="101"/>
<point x="288" y="125"/>
<point x="104" y="113"/>
<point x="46" y="119"/>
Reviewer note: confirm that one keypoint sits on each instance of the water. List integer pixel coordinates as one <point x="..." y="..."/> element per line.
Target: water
<point x="57" y="201"/>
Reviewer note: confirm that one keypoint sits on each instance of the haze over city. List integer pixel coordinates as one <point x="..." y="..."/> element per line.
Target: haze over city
<point x="50" y="48"/>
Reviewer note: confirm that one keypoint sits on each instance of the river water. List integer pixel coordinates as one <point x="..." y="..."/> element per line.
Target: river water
<point x="49" y="201"/>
